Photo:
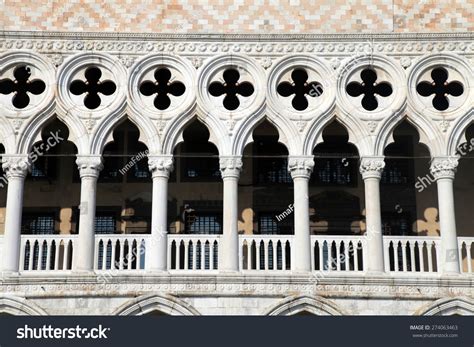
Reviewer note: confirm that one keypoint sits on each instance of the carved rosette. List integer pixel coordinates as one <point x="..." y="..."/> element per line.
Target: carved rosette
<point x="300" y="166"/>
<point x="160" y="165"/>
<point x="230" y="166"/>
<point x="89" y="166"/>
<point x="444" y="167"/>
<point x="16" y="166"/>
<point x="372" y="167"/>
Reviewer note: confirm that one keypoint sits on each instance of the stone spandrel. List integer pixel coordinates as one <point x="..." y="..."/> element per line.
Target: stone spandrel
<point x="193" y="16"/>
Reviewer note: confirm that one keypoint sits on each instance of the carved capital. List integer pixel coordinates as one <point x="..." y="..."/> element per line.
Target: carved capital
<point x="89" y="166"/>
<point x="371" y="167"/>
<point x="230" y="166"/>
<point x="444" y="167"/>
<point x="300" y="166"/>
<point x="16" y="166"/>
<point x="160" y="165"/>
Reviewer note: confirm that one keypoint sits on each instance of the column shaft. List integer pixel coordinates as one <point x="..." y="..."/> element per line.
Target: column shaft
<point x="371" y="169"/>
<point x="89" y="169"/>
<point x="157" y="248"/>
<point x="16" y="170"/>
<point x="443" y="170"/>
<point x="300" y="169"/>
<point x="229" y="250"/>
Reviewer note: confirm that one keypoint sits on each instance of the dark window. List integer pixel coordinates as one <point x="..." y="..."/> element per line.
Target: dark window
<point x="105" y="222"/>
<point x="396" y="223"/>
<point x="44" y="167"/>
<point x="269" y="224"/>
<point x="200" y="163"/>
<point x="396" y="171"/>
<point x="338" y="171"/>
<point x="272" y="170"/>
<point x="38" y="223"/>
<point x="203" y="223"/>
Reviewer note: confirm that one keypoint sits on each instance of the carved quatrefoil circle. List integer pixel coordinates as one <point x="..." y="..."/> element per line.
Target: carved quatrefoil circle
<point x="441" y="90"/>
<point x="231" y="85"/>
<point x="371" y="87"/>
<point x="162" y="85"/>
<point x="26" y="83"/>
<point x="301" y="86"/>
<point x="91" y="84"/>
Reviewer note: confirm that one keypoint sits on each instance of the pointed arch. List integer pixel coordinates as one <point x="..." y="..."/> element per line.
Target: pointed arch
<point x="358" y="135"/>
<point x="17" y="306"/>
<point x="288" y="134"/>
<point x="103" y="132"/>
<point x="297" y="304"/>
<point x="430" y="136"/>
<point x="448" y="306"/>
<point x="146" y="304"/>
<point x="458" y="131"/>
<point x="218" y="133"/>
<point x="7" y="135"/>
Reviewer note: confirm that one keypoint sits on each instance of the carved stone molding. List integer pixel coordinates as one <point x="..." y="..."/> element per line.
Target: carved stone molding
<point x="300" y="166"/>
<point x="16" y="166"/>
<point x="160" y="165"/>
<point x="371" y="167"/>
<point x="444" y="167"/>
<point x="89" y="166"/>
<point x="230" y="166"/>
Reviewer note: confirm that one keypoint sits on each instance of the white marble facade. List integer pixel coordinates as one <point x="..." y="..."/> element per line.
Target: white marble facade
<point x="401" y="60"/>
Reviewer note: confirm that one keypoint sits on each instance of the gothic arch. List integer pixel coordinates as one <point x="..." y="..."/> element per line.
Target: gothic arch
<point x="457" y="133"/>
<point x="32" y="131"/>
<point x="7" y="135"/>
<point x="102" y="134"/>
<point x="431" y="137"/>
<point x="155" y="302"/>
<point x="297" y="304"/>
<point x="19" y="306"/>
<point x="174" y="132"/>
<point x="288" y="134"/>
<point x="358" y="134"/>
<point x="448" y="306"/>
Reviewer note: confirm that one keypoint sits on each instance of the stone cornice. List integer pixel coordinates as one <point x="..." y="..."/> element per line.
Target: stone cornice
<point x="432" y="36"/>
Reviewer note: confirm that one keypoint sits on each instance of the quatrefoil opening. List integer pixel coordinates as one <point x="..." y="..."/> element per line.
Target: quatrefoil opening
<point x="369" y="88"/>
<point x="21" y="86"/>
<point x="300" y="88"/>
<point x="92" y="87"/>
<point x="231" y="88"/>
<point x="441" y="88"/>
<point x="162" y="87"/>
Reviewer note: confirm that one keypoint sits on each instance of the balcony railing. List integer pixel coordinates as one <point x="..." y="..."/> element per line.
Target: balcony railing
<point x="47" y="252"/>
<point x="120" y="252"/>
<point x="257" y="253"/>
<point x="466" y="253"/>
<point x="412" y="254"/>
<point x="265" y="252"/>
<point x="338" y="253"/>
<point x="193" y="252"/>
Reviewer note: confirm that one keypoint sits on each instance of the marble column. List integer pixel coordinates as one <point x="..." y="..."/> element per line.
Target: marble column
<point x="300" y="168"/>
<point x="230" y="167"/>
<point x="157" y="248"/>
<point x="371" y="169"/>
<point x="89" y="170"/>
<point x="443" y="170"/>
<point x="16" y="168"/>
